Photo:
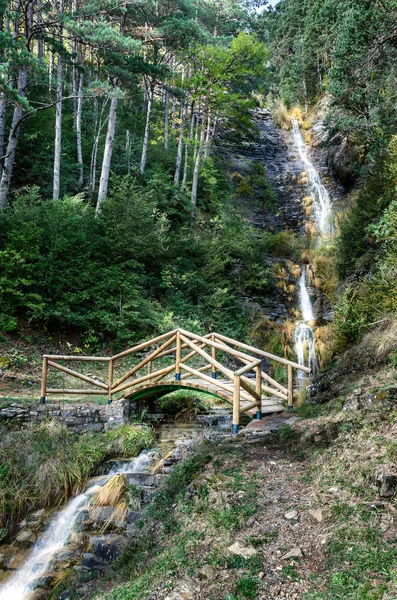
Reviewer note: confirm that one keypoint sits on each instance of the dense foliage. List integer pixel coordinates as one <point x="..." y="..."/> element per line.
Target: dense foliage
<point x="138" y="267"/>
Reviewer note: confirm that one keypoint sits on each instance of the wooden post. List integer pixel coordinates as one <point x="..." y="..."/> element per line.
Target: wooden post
<point x="149" y="368"/>
<point x="110" y="381"/>
<point x="44" y="381"/>
<point x="213" y="354"/>
<point x="290" y="387"/>
<point x="258" y="371"/>
<point x="178" y="356"/>
<point x="236" y="404"/>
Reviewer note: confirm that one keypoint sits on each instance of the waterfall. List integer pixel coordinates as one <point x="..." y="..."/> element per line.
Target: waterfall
<point x="58" y="532"/>
<point x="321" y="199"/>
<point x="304" y="348"/>
<point x="304" y="335"/>
<point x="305" y="302"/>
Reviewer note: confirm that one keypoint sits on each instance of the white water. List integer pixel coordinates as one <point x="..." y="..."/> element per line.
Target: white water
<point x="305" y="302"/>
<point x="58" y="533"/>
<point x="304" y="335"/>
<point x="321" y="199"/>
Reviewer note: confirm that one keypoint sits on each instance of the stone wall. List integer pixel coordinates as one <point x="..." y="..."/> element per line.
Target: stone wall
<point x="80" y="418"/>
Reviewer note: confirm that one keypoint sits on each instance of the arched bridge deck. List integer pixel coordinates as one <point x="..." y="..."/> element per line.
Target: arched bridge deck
<point x="184" y="360"/>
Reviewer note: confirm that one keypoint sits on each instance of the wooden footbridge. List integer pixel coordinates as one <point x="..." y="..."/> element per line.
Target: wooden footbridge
<point x="214" y="363"/>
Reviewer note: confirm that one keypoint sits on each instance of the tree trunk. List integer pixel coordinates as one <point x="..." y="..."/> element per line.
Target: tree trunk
<point x="79" y="114"/>
<point x="58" y="133"/>
<point x="146" y="138"/>
<point x="166" y="120"/>
<point x="3" y="113"/>
<point x="8" y="165"/>
<point x="107" y="155"/>
<point x="187" y="146"/>
<point x="58" y="118"/>
<point x="197" y="170"/>
<point x="180" y="145"/>
<point x="208" y="136"/>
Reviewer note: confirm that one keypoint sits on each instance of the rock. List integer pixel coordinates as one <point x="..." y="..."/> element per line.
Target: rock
<point x="93" y="563"/>
<point x="38" y="513"/>
<point x="294" y="553"/>
<point x="206" y="572"/>
<point x="240" y="549"/>
<point x="291" y="515"/>
<point x="107" y="547"/>
<point x="387" y="485"/>
<point x="319" y="514"/>
<point x="187" y="589"/>
<point x="26" y="537"/>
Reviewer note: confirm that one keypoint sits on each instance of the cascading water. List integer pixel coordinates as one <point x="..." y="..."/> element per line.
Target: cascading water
<point x="58" y="533"/>
<point x="321" y="199"/>
<point x="304" y="335"/>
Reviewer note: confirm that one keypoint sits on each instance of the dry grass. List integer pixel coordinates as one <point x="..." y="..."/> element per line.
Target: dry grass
<point x="375" y="347"/>
<point x="281" y="117"/>
<point x="111" y="494"/>
<point x="363" y="450"/>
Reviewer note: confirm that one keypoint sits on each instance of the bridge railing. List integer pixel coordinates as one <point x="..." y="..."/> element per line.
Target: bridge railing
<point x="246" y="385"/>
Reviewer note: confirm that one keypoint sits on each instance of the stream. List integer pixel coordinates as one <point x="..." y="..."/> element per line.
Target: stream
<point x="58" y="533"/>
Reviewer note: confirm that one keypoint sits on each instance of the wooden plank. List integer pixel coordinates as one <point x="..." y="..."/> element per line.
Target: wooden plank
<point x="81" y="358"/>
<point x="44" y="379"/>
<point x="155" y="340"/>
<point x="214" y="386"/>
<point x="265" y="376"/>
<point x="290" y="387"/>
<point x="209" y="358"/>
<point x="144" y="362"/>
<point x="67" y="391"/>
<point x="236" y="402"/>
<point x="231" y="351"/>
<point x="76" y="374"/>
<point x="135" y="382"/>
<point x="283" y="361"/>
<point x="249" y="367"/>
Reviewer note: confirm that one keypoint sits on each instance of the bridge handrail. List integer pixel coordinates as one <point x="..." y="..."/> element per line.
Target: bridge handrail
<point x="247" y="389"/>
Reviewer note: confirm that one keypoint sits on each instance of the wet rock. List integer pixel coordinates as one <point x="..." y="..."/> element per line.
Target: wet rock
<point x="241" y="549"/>
<point x="26" y="537"/>
<point x="294" y="553"/>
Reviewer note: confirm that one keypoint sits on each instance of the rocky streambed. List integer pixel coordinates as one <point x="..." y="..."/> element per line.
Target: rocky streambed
<point x="93" y="528"/>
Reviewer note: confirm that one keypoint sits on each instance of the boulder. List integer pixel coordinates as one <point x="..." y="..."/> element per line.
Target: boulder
<point x="241" y="549"/>
<point x="294" y="553"/>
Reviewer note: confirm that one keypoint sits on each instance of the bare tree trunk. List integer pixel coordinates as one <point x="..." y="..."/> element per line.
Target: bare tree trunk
<point x="208" y="136"/>
<point x="107" y="155"/>
<point x="166" y="120"/>
<point x="146" y="138"/>
<point x="187" y="146"/>
<point x="8" y="165"/>
<point x="197" y="170"/>
<point x="3" y="113"/>
<point x="79" y="115"/>
<point x="58" y="133"/>
<point x="58" y="118"/>
<point x="180" y="145"/>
